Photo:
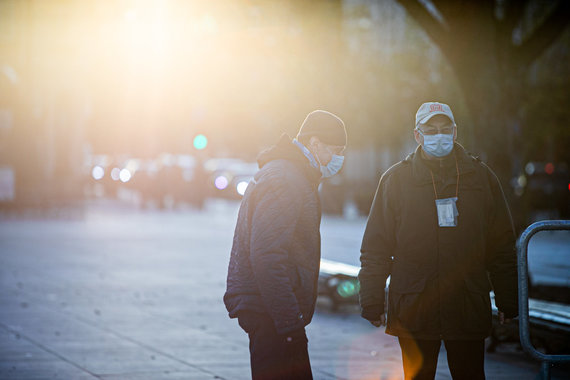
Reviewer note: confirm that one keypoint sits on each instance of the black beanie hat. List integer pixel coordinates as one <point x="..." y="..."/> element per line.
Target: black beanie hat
<point x="328" y="127"/>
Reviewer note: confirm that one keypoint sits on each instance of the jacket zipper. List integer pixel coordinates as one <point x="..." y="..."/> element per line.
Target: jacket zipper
<point x="439" y="300"/>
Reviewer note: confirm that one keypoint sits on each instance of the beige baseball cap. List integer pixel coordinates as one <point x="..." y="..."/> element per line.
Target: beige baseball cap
<point x="430" y="109"/>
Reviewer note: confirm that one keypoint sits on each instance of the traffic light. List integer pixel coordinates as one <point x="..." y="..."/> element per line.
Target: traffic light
<point x="200" y="142"/>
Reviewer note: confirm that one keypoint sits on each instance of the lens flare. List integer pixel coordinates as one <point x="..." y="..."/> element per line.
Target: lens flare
<point x="221" y="182"/>
<point x="348" y="288"/>
<point x="241" y="187"/>
<point x="125" y="175"/>
<point x="116" y="174"/>
<point x="98" y="173"/>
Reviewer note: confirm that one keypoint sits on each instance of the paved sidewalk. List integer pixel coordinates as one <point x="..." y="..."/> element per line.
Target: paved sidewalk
<point x="125" y="294"/>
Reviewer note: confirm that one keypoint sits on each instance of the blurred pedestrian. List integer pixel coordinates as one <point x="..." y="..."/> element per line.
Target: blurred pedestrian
<point x="275" y="257"/>
<point x="441" y="229"/>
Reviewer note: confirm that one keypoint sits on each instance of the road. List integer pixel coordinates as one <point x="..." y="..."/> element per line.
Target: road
<point x="119" y="293"/>
<point x="549" y="258"/>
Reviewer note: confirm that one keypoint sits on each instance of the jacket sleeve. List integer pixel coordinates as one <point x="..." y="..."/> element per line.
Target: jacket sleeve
<point x="501" y="258"/>
<point x="377" y="250"/>
<point x="272" y="229"/>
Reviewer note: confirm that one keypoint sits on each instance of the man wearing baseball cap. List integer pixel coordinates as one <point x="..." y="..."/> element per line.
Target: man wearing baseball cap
<point x="276" y="252"/>
<point x="441" y="229"/>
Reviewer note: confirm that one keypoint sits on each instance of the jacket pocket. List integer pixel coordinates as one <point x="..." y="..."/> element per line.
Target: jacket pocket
<point x="407" y="309"/>
<point x="407" y="283"/>
<point x="478" y="283"/>
<point x="294" y="277"/>
<point x="305" y="291"/>
<point x="477" y="306"/>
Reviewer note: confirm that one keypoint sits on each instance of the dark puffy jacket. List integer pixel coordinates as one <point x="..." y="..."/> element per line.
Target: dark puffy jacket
<point x="275" y="258"/>
<point x="439" y="284"/>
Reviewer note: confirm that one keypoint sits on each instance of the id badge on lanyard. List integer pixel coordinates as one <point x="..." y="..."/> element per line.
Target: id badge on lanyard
<point x="447" y="212"/>
<point x="447" y="208"/>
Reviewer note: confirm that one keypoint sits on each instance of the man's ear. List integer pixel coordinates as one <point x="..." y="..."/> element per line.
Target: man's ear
<point x="418" y="137"/>
<point x="314" y="144"/>
<point x="454" y="133"/>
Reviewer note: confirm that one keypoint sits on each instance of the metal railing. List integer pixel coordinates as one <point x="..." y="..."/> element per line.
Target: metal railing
<point x="522" y="257"/>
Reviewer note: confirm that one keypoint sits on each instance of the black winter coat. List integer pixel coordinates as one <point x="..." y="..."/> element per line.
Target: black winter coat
<point x="275" y="257"/>
<point x="439" y="284"/>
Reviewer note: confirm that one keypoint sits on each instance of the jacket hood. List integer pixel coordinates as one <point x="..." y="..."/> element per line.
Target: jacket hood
<point x="285" y="149"/>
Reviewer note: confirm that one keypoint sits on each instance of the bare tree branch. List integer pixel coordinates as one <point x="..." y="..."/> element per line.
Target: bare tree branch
<point x="505" y="50"/>
<point x="426" y="21"/>
<point x="514" y="10"/>
<point x="544" y="35"/>
<point x="457" y="11"/>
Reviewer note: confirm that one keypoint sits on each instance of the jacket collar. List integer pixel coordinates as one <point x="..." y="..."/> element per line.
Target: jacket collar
<point x="421" y="171"/>
<point x="286" y="149"/>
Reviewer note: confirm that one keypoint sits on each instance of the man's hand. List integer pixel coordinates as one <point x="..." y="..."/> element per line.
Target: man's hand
<point x="380" y="322"/>
<point x="502" y="319"/>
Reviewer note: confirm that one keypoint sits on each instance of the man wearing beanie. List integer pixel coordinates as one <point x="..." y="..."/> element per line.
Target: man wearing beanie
<point x="441" y="228"/>
<point x="275" y="257"/>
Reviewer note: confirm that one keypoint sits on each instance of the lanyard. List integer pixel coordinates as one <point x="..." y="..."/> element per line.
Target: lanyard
<point x="456" y="187"/>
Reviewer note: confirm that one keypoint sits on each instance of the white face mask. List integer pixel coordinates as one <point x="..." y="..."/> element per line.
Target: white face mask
<point x="439" y="145"/>
<point x="333" y="167"/>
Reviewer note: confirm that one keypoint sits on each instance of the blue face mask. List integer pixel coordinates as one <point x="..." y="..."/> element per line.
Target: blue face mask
<point x="333" y="167"/>
<point x="328" y="170"/>
<point x="439" y="145"/>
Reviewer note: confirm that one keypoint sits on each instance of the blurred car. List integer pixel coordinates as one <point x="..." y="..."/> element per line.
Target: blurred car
<point x="545" y="188"/>
<point x="339" y="283"/>
<point x="164" y="181"/>
<point x="229" y="177"/>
